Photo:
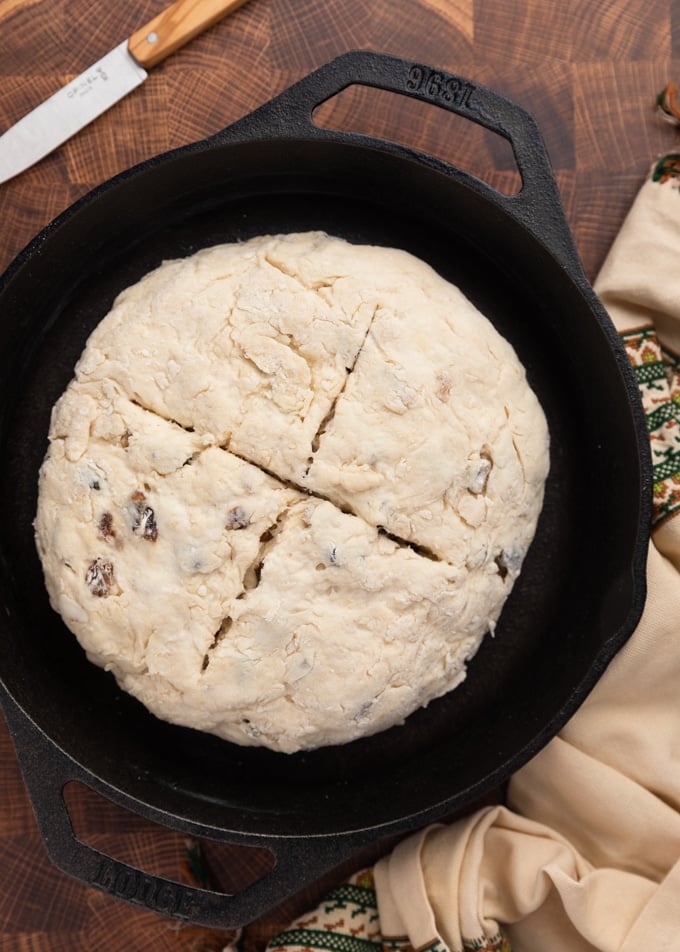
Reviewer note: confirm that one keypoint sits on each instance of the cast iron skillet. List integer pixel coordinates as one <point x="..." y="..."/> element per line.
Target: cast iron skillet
<point x="582" y="588"/>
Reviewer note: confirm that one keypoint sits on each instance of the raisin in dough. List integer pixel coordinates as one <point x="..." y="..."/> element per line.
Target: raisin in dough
<point x="289" y="489"/>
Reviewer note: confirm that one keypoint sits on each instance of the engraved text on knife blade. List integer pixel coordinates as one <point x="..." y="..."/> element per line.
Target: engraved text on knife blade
<point x="68" y="110"/>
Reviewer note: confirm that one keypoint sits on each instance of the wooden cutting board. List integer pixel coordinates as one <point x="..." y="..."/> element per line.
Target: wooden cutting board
<point x="589" y="71"/>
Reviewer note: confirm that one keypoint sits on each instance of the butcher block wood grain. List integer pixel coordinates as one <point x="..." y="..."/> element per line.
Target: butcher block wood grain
<point x="589" y="70"/>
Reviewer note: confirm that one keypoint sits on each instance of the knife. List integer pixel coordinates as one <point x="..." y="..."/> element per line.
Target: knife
<point x="101" y="86"/>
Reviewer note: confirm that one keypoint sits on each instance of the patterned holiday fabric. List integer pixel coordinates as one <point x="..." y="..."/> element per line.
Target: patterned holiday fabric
<point x="657" y="372"/>
<point x="346" y="921"/>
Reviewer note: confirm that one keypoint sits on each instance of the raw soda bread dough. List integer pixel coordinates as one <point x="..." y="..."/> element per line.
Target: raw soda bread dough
<point x="248" y="343"/>
<point x="289" y="489"/>
<point x="437" y="436"/>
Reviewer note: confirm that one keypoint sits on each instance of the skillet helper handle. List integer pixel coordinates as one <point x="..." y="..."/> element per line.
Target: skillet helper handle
<point x="47" y="770"/>
<point x="537" y="205"/>
<point x="175" y="26"/>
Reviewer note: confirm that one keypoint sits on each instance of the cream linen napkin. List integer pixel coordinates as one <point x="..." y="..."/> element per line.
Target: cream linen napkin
<point x="586" y="855"/>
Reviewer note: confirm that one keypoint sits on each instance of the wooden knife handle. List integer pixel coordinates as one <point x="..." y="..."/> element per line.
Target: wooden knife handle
<point x="175" y="26"/>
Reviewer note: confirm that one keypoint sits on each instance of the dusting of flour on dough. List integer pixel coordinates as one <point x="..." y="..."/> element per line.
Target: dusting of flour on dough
<point x="289" y="489"/>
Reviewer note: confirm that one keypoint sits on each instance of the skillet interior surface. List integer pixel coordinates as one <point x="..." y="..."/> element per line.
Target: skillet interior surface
<point x="573" y="596"/>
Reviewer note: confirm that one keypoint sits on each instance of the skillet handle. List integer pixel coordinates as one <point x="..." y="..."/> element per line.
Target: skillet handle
<point x="47" y="770"/>
<point x="537" y="205"/>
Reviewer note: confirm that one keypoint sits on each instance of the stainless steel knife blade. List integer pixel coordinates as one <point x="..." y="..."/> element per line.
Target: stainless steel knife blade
<point x="106" y="82"/>
<point x="69" y="110"/>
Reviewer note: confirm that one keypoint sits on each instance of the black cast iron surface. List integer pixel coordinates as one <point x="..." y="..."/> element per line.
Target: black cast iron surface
<point x="582" y="588"/>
